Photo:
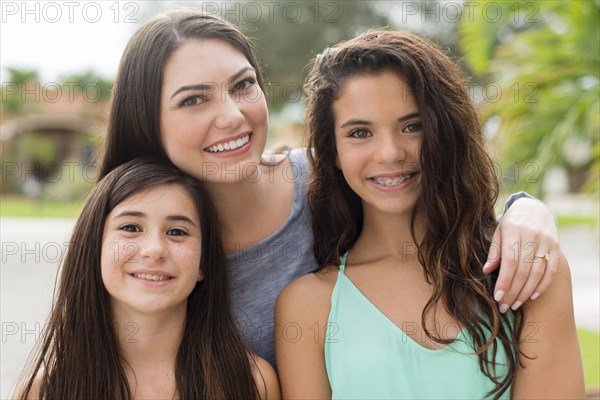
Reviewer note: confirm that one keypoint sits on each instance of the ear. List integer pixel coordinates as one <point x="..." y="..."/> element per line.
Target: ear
<point x="200" y="275"/>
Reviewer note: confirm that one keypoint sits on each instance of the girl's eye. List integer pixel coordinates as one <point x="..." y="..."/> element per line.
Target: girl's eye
<point x="176" y="232"/>
<point x="130" y="228"/>
<point x="413" y="127"/>
<point x="193" y="101"/>
<point x="244" y="84"/>
<point x="359" y="133"/>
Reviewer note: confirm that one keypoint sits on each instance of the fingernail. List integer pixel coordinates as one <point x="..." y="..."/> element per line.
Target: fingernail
<point x="535" y="296"/>
<point x="516" y="305"/>
<point x="499" y="295"/>
<point x="503" y="308"/>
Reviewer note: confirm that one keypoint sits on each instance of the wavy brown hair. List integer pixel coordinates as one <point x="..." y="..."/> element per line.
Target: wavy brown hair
<point x="459" y="188"/>
<point x="134" y="118"/>
<point x="79" y="355"/>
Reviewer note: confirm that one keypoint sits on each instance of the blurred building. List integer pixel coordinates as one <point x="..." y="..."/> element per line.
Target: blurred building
<point x="49" y="136"/>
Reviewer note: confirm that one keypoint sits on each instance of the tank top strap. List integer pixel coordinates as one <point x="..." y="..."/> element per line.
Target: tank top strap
<point x="343" y="262"/>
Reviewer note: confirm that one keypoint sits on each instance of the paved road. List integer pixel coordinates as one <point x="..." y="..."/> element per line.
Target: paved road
<point x="31" y="250"/>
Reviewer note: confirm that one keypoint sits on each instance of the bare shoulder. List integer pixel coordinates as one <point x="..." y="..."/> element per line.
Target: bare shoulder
<point x="265" y="378"/>
<point x="34" y="391"/>
<point x="301" y="306"/>
<point x="309" y="292"/>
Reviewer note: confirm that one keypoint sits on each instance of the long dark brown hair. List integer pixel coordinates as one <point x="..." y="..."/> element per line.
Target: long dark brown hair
<point x="458" y="185"/>
<point x="134" y="119"/>
<point x="79" y="355"/>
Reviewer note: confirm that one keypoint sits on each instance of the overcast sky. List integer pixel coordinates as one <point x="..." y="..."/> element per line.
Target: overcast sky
<point x="62" y="37"/>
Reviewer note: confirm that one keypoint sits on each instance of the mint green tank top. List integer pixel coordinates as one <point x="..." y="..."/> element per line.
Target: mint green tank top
<point x="369" y="357"/>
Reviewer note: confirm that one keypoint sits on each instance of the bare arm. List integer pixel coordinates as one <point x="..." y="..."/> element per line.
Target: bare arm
<point x="266" y="379"/>
<point x="549" y="336"/>
<point x="300" y="355"/>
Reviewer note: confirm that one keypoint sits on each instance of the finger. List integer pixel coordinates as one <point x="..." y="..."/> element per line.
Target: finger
<point x="536" y="273"/>
<point x="493" y="257"/>
<point x="521" y="274"/>
<point x="549" y="274"/>
<point x="512" y="275"/>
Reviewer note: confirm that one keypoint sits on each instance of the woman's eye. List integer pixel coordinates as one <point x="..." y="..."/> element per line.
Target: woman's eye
<point x="176" y="232"/>
<point x="130" y="228"/>
<point x="414" y="127"/>
<point x="359" y="133"/>
<point x="193" y="101"/>
<point x="244" y="84"/>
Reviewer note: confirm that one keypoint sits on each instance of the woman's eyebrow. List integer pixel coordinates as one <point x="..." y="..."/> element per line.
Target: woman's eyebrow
<point x="200" y="86"/>
<point x="210" y="86"/>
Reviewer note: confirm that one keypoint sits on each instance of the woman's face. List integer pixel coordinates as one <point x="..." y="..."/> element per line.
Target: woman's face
<point x="213" y="113"/>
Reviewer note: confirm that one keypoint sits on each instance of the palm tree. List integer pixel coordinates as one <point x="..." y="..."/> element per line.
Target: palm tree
<point x="541" y="61"/>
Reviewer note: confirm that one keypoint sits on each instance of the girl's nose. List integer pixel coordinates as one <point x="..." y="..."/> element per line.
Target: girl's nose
<point x="153" y="247"/>
<point x="391" y="149"/>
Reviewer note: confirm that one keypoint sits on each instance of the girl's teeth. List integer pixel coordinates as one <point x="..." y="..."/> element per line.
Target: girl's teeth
<point x="150" y="277"/>
<point x="393" y="182"/>
<point x="231" y="145"/>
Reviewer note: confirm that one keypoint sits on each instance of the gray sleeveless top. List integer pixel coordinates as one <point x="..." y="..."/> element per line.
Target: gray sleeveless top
<point x="259" y="272"/>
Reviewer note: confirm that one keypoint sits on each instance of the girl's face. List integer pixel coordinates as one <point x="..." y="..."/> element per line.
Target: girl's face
<point x="150" y="259"/>
<point x="378" y="135"/>
<point x="213" y="118"/>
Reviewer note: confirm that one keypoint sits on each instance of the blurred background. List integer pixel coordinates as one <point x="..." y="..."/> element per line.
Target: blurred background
<point x="532" y="69"/>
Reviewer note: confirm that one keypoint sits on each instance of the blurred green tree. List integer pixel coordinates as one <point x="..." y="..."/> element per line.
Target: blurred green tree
<point x="541" y="61"/>
<point x="12" y="99"/>
<point x="289" y="34"/>
<point x="89" y="80"/>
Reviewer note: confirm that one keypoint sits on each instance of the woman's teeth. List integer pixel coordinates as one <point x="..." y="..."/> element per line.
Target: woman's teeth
<point x="231" y="145"/>
<point x="150" y="277"/>
<point x="392" y="182"/>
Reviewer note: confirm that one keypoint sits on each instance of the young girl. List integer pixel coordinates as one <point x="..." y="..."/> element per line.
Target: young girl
<point x="402" y="195"/>
<point x="142" y="308"/>
<point x="189" y="89"/>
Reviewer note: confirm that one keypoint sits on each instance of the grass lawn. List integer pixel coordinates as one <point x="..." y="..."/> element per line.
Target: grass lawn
<point x="575" y="220"/>
<point x="590" y="351"/>
<point x="18" y="206"/>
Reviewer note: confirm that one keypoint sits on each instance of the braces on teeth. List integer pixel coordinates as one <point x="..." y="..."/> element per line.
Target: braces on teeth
<point x="394" y="182"/>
